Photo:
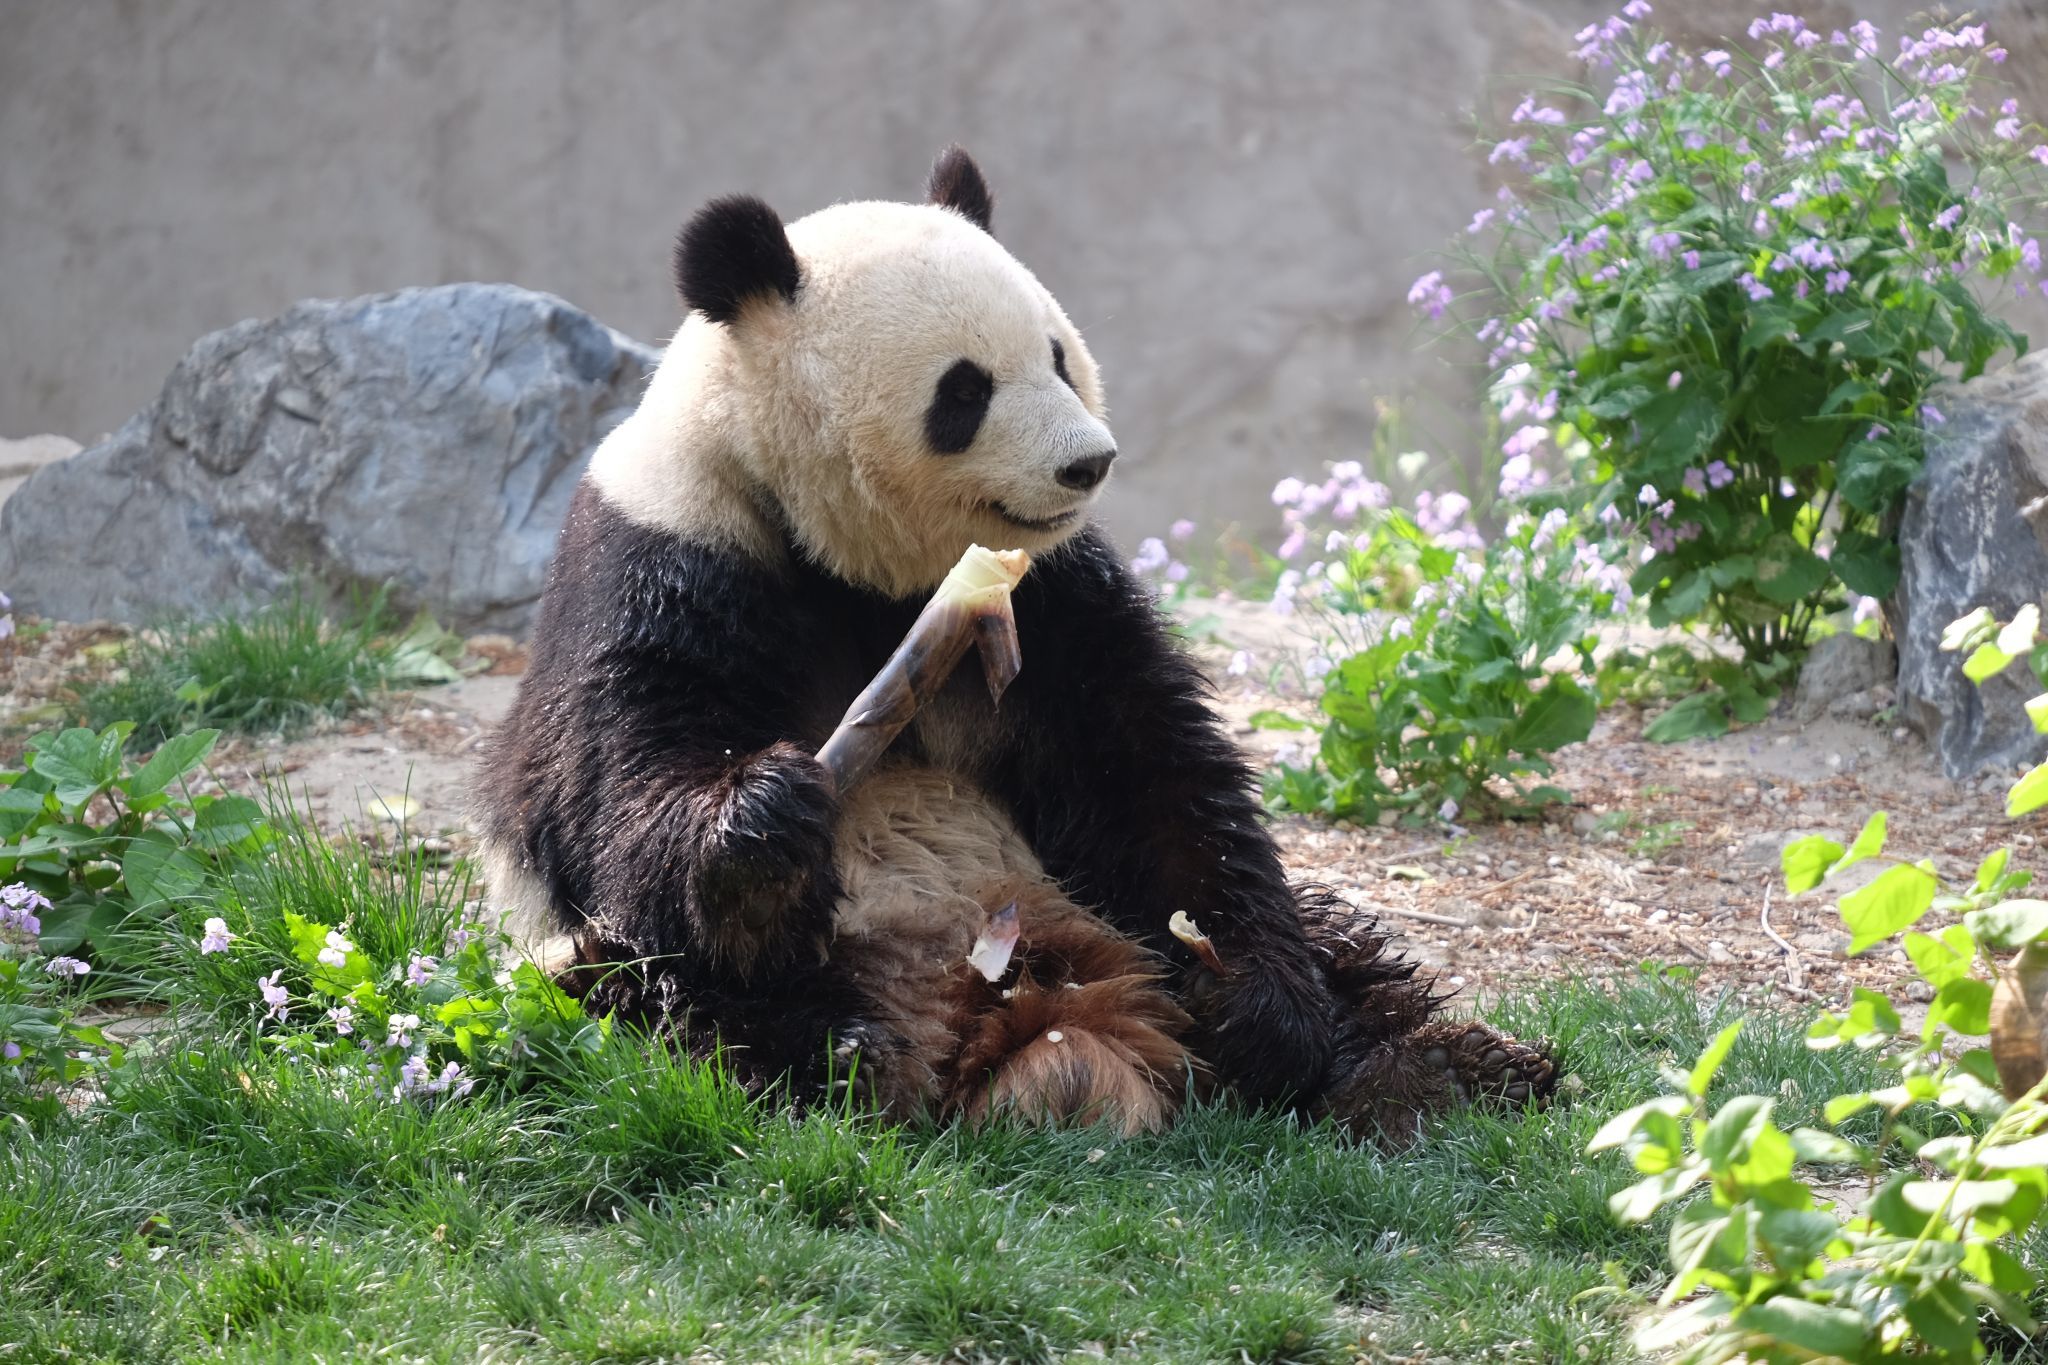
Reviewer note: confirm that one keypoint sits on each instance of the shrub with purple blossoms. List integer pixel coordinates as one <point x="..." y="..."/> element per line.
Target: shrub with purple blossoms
<point x="43" y="1047"/>
<point x="1726" y="286"/>
<point x="1434" y="651"/>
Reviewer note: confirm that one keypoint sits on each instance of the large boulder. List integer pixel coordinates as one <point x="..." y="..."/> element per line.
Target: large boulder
<point x="428" y="439"/>
<point x="1975" y="534"/>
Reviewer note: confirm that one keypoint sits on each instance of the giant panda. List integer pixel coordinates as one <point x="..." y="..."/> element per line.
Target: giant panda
<point x="851" y="401"/>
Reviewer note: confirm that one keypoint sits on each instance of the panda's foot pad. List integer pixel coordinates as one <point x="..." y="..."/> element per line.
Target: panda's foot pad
<point x="1485" y="1066"/>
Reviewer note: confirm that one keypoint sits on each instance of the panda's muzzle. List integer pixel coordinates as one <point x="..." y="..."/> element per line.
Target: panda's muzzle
<point x="1058" y="522"/>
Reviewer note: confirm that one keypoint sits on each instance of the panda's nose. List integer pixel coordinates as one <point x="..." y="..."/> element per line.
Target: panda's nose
<point x="1084" y="474"/>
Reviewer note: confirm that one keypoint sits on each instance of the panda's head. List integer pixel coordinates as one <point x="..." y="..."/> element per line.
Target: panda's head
<point x="889" y="379"/>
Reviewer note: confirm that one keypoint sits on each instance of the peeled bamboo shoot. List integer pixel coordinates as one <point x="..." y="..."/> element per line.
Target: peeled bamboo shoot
<point x="971" y="607"/>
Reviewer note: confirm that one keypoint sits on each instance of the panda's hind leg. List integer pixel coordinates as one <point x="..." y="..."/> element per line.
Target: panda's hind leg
<point x="1078" y="1030"/>
<point x="1398" y="1058"/>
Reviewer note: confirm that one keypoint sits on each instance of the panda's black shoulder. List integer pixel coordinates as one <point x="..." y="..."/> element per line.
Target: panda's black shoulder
<point x="616" y="584"/>
<point x="1084" y="602"/>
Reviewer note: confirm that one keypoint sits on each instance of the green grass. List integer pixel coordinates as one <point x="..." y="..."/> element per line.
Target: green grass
<point x="225" y="1202"/>
<point x="274" y="669"/>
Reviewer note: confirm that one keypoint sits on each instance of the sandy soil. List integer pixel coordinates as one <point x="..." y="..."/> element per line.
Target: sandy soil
<point x="1667" y="853"/>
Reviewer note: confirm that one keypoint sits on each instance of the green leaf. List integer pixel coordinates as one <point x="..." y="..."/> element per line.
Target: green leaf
<point x="1277" y="720"/>
<point x="1871" y="474"/>
<point x="1813" y="1327"/>
<point x="1731" y="1130"/>
<point x="173" y="759"/>
<point x="1622" y="1126"/>
<point x="72" y="762"/>
<point x="1964" y="1005"/>
<point x="1992" y="868"/>
<point x="1894" y="901"/>
<point x="2037" y="712"/>
<point x="1986" y="661"/>
<point x="2009" y="924"/>
<point x="1866" y="564"/>
<point x="157" y="869"/>
<point x="1806" y="861"/>
<point x="224" y="821"/>
<point x="1710" y="1061"/>
<point x="1562" y="713"/>
<point x="1869" y="843"/>
<point x="1787" y="572"/>
<point x="1702" y="715"/>
<point x="2028" y="1154"/>
<point x="1937" y="961"/>
<point x="2029" y="793"/>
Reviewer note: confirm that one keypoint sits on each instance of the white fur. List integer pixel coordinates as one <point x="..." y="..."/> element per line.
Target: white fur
<point x="816" y="407"/>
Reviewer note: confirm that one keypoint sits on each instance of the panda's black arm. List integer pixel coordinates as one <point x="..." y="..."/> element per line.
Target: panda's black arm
<point x="671" y="672"/>
<point x="1124" y="781"/>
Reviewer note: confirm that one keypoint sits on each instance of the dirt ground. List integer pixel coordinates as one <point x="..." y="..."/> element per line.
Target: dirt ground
<point x="1667" y="853"/>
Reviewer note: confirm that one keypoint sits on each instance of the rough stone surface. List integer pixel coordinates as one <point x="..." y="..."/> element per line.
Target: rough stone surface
<point x="1975" y="534"/>
<point x="19" y="459"/>
<point x="1845" y="676"/>
<point x="429" y="438"/>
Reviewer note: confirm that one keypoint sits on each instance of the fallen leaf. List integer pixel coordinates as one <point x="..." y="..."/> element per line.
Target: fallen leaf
<point x="991" y="954"/>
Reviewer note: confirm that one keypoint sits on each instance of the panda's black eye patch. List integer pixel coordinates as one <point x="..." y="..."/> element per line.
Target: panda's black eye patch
<point x="958" y="405"/>
<point x="1059" y="364"/>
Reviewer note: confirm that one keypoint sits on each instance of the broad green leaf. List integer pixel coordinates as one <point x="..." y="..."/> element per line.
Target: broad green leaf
<point x="1817" y="1328"/>
<point x="1710" y="1061"/>
<point x="1622" y="1126"/>
<point x="1987" y="660"/>
<point x="1992" y="868"/>
<point x="1642" y="1199"/>
<point x="1806" y="861"/>
<point x="2029" y="1154"/>
<point x="2037" y="712"/>
<point x="1963" y="1005"/>
<point x="1824" y="1148"/>
<point x="221" y="822"/>
<point x="2009" y="924"/>
<point x="1698" y="716"/>
<point x="1562" y="713"/>
<point x="176" y="757"/>
<point x="1894" y="901"/>
<point x="1786" y="571"/>
<point x="1871" y="474"/>
<point x="1733" y="1126"/>
<point x="72" y="764"/>
<point x="2029" y="793"/>
<point x="156" y="869"/>
<point x="1869" y="843"/>
<point x="1935" y="960"/>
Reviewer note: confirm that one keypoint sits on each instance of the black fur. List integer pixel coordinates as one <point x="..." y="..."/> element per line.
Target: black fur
<point x="959" y="403"/>
<point x="956" y="183"/>
<point x="654" y="775"/>
<point x="1059" y="364"/>
<point x="733" y="250"/>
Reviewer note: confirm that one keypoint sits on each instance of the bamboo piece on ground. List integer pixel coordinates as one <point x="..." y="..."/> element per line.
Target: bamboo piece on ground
<point x="971" y="607"/>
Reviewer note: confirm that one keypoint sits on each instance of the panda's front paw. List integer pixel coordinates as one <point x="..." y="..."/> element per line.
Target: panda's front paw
<point x="763" y="883"/>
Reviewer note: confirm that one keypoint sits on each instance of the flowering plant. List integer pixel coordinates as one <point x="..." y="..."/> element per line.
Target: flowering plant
<point x="427" y="1026"/>
<point x="1725" y="287"/>
<point x="1433" y="651"/>
<point x="42" y="1044"/>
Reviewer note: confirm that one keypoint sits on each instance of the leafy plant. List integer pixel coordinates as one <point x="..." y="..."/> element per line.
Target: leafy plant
<point x="1957" y="1169"/>
<point x="43" y="1046"/>
<point x="1725" y="289"/>
<point x="1439" y="687"/>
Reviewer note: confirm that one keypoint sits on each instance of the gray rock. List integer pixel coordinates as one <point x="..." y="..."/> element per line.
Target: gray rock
<point x="1975" y="534"/>
<point x="1841" y="675"/>
<point x="429" y="438"/>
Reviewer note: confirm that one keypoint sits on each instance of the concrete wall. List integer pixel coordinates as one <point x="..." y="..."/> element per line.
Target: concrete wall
<point x="1229" y="197"/>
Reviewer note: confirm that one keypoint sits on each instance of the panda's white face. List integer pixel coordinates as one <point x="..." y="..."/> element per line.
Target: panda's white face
<point x="927" y="393"/>
<point x="915" y="390"/>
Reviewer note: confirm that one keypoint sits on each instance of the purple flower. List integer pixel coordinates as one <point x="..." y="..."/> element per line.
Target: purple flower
<point x="1524" y="441"/>
<point x="217" y="937"/>
<point x="1662" y="539"/>
<point x="1648" y="495"/>
<point x="1813" y="255"/>
<point x="1719" y="475"/>
<point x="1528" y="111"/>
<point x="1677" y="378"/>
<point x="1931" y="416"/>
<point x="1634" y="9"/>
<point x="1431" y="294"/>
<point x="1865" y="34"/>
<point x="1661" y="244"/>
<point x="1719" y="62"/>
<point x="343" y="1019"/>
<point x="1287" y="492"/>
<point x="1948" y="217"/>
<point x="1757" y="290"/>
<point x="66" y="967"/>
<point x="400" y="1028"/>
<point x="1151" y="557"/>
<point x="1240" y="663"/>
<point x="2007" y="128"/>
<point x="1181" y="529"/>
<point x="1479" y="220"/>
<point x="1691" y="260"/>
<point x="1176" y="572"/>
<point x="1837" y="281"/>
<point x="1515" y="149"/>
<point x="421" y="969"/>
<point x="275" y="996"/>
<point x="1695" y="482"/>
<point x="10" y="1052"/>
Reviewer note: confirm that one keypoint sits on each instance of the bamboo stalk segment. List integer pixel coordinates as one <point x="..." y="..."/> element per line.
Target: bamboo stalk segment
<point x="971" y="607"/>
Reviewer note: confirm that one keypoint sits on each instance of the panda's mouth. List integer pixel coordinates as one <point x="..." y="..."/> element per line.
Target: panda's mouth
<point x="1052" y="523"/>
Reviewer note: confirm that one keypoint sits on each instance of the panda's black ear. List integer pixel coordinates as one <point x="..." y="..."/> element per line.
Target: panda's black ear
<point x="956" y="183"/>
<point x="733" y="250"/>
